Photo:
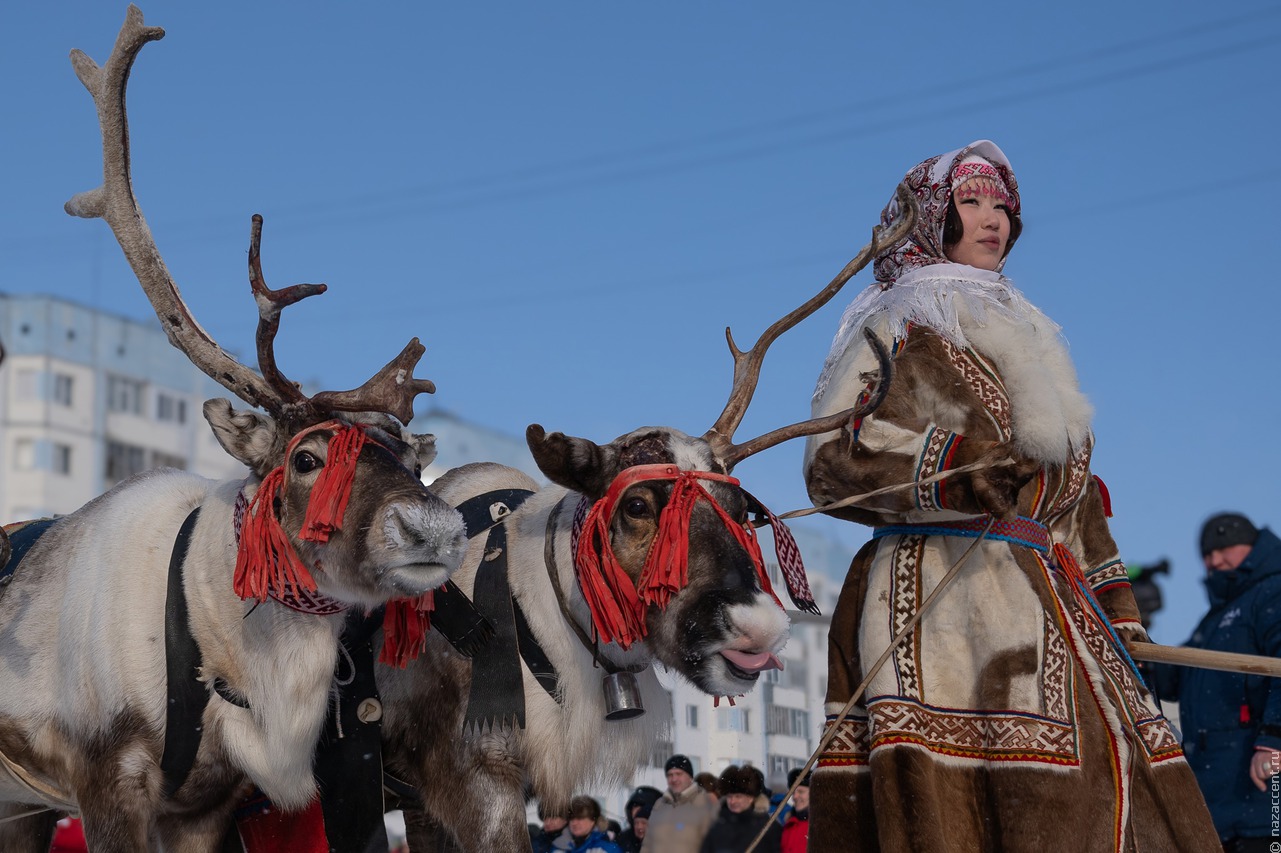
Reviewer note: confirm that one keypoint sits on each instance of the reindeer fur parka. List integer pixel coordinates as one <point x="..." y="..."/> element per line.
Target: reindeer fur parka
<point x="1007" y="719"/>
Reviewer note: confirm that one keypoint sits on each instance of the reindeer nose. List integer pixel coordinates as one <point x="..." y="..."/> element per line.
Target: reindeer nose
<point x="422" y="526"/>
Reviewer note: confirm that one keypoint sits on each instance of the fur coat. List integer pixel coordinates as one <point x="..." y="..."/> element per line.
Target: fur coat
<point x="1009" y="719"/>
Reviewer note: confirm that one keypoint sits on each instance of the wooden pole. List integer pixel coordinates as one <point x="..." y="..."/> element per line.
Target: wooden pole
<point x="1205" y="659"/>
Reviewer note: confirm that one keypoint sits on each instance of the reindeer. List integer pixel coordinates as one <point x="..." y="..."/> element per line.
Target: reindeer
<point x="332" y="516"/>
<point x="642" y="552"/>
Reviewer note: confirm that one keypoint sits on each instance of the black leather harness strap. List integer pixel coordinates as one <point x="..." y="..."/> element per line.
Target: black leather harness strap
<point x="480" y="514"/>
<point x="20" y="541"/>
<point x="188" y="694"/>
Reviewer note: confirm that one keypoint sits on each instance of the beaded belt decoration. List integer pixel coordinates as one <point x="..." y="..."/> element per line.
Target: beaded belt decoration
<point x="1020" y="531"/>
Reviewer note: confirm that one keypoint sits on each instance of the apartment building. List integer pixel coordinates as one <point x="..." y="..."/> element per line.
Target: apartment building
<point x="87" y="399"/>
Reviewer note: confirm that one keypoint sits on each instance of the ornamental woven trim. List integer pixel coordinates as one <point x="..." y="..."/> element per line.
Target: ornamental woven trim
<point x="850" y="746"/>
<point x="1021" y="531"/>
<point x="905" y="594"/>
<point x="986" y="736"/>
<point x="936" y="455"/>
<point x="985" y="383"/>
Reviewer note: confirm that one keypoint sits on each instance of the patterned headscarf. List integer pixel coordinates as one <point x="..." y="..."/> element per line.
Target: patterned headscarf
<point x="931" y="181"/>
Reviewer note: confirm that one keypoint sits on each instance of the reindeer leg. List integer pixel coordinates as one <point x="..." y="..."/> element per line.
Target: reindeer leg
<point x="207" y="832"/>
<point x="114" y="827"/>
<point x="424" y="834"/>
<point x="31" y="834"/>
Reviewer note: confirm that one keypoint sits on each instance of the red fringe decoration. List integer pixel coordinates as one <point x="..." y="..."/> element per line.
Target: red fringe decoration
<point x="617" y="606"/>
<point x="617" y="611"/>
<point x="406" y="622"/>
<point x="332" y="489"/>
<point x="265" y="560"/>
<point x="666" y="569"/>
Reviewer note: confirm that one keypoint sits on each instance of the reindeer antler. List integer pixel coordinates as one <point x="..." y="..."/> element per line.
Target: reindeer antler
<point x="747" y="365"/>
<point x="392" y="390"/>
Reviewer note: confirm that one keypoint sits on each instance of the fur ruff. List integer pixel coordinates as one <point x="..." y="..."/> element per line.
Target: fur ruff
<point x="983" y="310"/>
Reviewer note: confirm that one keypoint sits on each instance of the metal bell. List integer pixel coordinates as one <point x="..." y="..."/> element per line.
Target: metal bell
<point x="622" y="696"/>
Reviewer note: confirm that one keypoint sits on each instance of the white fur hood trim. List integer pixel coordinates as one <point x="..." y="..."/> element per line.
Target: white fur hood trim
<point x="981" y="309"/>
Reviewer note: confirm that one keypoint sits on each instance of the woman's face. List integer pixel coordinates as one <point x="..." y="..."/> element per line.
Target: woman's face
<point x="985" y="231"/>
<point x="738" y="803"/>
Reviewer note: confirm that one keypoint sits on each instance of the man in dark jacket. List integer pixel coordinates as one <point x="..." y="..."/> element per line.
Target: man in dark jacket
<point x="744" y="812"/>
<point x="1231" y="722"/>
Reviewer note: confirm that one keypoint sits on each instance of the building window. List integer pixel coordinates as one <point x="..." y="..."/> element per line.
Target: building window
<point x="691" y="716"/>
<point x="124" y="395"/>
<point x="61" y="458"/>
<point x="62" y="389"/>
<point x="123" y="461"/>
<point x="171" y="409"/>
<point x="781" y="720"/>
<point x="167" y="460"/>
<point x="661" y="751"/>
<point x="24" y="454"/>
<point x="27" y="385"/>
<point x="732" y="720"/>
<point x="780" y="765"/>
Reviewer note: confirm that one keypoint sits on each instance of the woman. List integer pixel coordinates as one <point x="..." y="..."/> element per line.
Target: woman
<point x="1010" y="717"/>
<point x="743" y="812"/>
<point x="586" y="831"/>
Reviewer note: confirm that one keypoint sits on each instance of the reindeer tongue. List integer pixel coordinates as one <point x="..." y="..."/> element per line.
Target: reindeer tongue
<point x="749" y="662"/>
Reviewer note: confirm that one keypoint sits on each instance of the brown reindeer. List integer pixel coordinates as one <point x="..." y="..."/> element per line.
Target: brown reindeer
<point x="332" y="516"/>
<point x="695" y="600"/>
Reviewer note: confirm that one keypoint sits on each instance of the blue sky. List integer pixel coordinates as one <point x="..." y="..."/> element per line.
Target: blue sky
<point x="569" y="201"/>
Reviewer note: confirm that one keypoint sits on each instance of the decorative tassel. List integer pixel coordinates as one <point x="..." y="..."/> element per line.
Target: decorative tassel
<point x="617" y="611"/>
<point x="265" y="560"/>
<point x="666" y="569"/>
<point x="405" y="625"/>
<point x="332" y="489"/>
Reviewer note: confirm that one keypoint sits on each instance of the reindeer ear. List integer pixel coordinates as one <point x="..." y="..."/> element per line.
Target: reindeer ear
<point x="574" y="463"/>
<point x="250" y="437"/>
<point x="425" y="447"/>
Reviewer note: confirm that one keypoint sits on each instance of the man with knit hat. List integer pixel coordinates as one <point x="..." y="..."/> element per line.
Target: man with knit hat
<point x="680" y="818"/>
<point x="1232" y="722"/>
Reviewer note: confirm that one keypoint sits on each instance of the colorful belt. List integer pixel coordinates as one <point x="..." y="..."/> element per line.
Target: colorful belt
<point x="1020" y="531"/>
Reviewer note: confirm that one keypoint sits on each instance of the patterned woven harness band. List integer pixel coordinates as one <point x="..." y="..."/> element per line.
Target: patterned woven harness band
<point x="1021" y="531"/>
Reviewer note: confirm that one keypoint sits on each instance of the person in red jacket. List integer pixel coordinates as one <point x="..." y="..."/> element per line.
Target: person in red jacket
<point x="796" y="828"/>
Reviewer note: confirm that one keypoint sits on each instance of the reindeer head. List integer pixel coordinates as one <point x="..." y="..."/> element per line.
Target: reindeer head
<point x="720" y="628"/>
<point x="339" y="508"/>
<point x="668" y="551"/>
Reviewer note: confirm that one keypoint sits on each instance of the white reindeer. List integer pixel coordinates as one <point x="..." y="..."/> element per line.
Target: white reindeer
<point x="720" y="628"/>
<point x="83" y="621"/>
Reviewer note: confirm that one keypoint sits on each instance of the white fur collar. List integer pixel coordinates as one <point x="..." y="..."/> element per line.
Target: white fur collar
<point x="981" y="309"/>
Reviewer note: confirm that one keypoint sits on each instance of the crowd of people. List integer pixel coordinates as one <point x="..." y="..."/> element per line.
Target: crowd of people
<point x="696" y="814"/>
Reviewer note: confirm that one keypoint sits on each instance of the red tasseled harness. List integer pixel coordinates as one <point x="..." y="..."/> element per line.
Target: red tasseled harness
<point x="268" y="566"/>
<point x="617" y="606"/>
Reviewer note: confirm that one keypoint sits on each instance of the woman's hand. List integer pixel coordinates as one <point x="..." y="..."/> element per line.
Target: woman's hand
<point x="996" y="486"/>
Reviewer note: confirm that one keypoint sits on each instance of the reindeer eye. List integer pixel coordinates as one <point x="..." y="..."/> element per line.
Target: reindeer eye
<point x="418" y="471"/>
<point x="637" y="508"/>
<point x="305" y="462"/>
